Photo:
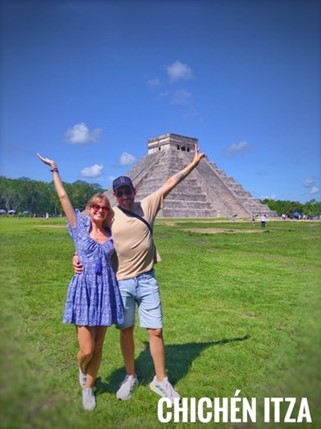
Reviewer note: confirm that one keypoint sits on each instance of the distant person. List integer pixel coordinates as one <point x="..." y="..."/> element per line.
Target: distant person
<point x="263" y="221"/>
<point x="136" y="254"/>
<point x="93" y="299"/>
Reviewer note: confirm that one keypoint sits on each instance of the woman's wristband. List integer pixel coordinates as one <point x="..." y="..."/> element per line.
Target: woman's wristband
<point x="54" y="170"/>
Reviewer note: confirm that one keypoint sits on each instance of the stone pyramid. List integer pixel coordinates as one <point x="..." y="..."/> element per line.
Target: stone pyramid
<point x="206" y="192"/>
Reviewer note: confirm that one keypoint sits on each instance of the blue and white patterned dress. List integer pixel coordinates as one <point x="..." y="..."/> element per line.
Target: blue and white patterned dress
<point x="93" y="297"/>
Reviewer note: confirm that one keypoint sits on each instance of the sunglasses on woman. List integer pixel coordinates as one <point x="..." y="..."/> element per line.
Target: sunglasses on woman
<point x="97" y="207"/>
<point x="127" y="192"/>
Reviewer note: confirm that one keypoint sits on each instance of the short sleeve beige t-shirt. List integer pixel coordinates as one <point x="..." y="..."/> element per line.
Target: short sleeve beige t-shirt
<point x="133" y="241"/>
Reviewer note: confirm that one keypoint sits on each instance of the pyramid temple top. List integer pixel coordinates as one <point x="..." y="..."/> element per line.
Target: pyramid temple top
<point x="165" y="141"/>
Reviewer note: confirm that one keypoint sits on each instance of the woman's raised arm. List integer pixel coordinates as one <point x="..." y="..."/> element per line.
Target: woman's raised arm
<point x="61" y="192"/>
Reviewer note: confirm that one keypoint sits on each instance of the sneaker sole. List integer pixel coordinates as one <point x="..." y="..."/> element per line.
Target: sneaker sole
<point x="129" y="395"/>
<point x="160" y="392"/>
<point x="124" y="399"/>
<point x="156" y="390"/>
<point x="89" y="407"/>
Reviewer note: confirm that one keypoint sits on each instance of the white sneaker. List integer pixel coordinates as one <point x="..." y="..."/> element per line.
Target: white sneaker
<point x="125" y="389"/>
<point x="82" y="378"/>
<point x="164" y="388"/>
<point x="88" y="399"/>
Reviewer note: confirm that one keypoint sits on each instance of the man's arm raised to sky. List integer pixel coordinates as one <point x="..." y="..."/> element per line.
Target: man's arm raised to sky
<point x="173" y="181"/>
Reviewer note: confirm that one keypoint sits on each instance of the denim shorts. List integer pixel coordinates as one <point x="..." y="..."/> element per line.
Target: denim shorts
<point x="142" y="290"/>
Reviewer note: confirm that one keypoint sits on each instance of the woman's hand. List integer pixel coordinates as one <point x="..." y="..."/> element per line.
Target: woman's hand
<point x="61" y="192"/>
<point x="47" y="161"/>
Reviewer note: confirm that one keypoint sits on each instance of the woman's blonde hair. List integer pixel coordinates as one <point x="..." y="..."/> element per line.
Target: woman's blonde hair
<point x="98" y="198"/>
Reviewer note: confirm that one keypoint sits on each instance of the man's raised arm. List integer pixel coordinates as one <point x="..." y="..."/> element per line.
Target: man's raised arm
<point x="178" y="177"/>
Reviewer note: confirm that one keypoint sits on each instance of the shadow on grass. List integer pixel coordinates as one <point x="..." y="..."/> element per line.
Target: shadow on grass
<point x="179" y="358"/>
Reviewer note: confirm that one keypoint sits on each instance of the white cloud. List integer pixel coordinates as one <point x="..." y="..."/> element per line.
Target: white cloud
<point x="268" y="197"/>
<point x="179" y="71"/>
<point x="126" y="159"/>
<point x="181" y="97"/>
<point x="242" y="146"/>
<point x="309" y="183"/>
<point x="95" y="170"/>
<point x="314" y="190"/>
<point x="80" y="134"/>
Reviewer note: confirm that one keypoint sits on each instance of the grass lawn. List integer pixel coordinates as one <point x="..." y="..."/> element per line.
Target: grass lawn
<point x="241" y="312"/>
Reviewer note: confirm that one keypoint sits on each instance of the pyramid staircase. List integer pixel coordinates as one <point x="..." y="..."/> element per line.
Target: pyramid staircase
<point x="206" y="192"/>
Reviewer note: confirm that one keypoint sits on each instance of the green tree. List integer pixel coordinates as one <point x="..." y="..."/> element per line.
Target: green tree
<point x="10" y="195"/>
<point x="80" y="192"/>
<point x="312" y="208"/>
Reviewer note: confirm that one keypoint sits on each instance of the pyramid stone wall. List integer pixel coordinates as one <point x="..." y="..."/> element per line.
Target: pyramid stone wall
<point x="206" y="192"/>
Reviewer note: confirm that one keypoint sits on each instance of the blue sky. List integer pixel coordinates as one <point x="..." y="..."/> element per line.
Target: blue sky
<point x="88" y="82"/>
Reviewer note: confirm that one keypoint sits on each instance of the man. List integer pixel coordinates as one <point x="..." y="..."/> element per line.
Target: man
<point x="136" y="256"/>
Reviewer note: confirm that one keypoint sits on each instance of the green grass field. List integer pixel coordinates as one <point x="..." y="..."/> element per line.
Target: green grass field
<point x="241" y="312"/>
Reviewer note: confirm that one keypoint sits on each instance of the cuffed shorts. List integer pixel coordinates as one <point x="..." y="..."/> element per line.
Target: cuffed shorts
<point x="142" y="290"/>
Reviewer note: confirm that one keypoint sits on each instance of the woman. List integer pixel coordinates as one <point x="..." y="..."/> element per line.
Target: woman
<point x="93" y="299"/>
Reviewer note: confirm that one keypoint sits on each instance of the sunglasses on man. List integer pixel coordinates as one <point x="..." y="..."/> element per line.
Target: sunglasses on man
<point x="127" y="192"/>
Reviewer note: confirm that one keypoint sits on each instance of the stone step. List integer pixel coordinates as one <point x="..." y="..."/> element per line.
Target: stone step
<point x="187" y="213"/>
<point x="178" y="196"/>
<point x="185" y="204"/>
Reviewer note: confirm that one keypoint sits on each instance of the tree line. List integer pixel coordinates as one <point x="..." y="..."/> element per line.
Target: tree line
<point x="33" y="197"/>
<point x="310" y="209"/>
<point x="36" y="197"/>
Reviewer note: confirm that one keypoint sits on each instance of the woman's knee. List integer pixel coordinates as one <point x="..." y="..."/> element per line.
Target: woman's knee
<point x="86" y="352"/>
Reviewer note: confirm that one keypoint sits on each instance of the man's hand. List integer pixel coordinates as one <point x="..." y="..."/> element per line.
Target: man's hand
<point x="197" y="156"/>
<point x="78" y="267"/>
